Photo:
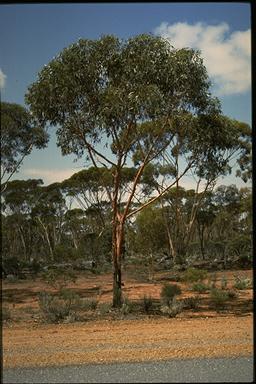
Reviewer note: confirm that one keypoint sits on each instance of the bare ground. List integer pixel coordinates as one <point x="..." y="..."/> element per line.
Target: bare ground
<point x="109" y="338"/>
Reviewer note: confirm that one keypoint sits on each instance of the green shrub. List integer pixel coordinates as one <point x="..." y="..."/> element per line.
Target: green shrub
<point x="173" y="309"/>
<point x="192" y="275"/>
<point x="12" y="278"/>
<point x="104" y="308"/>
<point x="168" y="292"/>
<point x="242" y="283"/>
<point x="191" y="302"/>
<point x="89" y="304"/>
<point x="59" y="277"/>
<point x="200" y="287"/>
<point x="147" y="303"/>
<point x="58" y="308"/>
<point x="175" y="277"/>
<point x="218" y="297"/>
<point x="35" y="267"/>
<point x="11" y="265"/>
<point x="127" y="306"/>
<point x="6" y="313"/>
<point x="224" y="282"/>
<point x="232" y="294"/>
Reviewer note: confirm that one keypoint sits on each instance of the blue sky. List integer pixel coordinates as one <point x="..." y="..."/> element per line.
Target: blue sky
<point x="32" y="34"/>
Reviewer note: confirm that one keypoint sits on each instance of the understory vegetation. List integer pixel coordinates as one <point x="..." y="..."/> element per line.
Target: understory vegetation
<point x="57" y="304"/>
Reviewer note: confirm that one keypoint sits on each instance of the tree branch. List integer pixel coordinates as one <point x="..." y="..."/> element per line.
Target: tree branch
<point x="160" y="194"/>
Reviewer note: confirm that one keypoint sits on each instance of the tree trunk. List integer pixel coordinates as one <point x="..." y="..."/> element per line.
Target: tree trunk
<point x="151" y="267"/>
<point x="74" y="239"/>
<point x="23" y="243"/>
<point x="46" y="237"/>
<point x="172" y="250"/>
<point x="117" y="247"/>
<point x="201" y="239"/>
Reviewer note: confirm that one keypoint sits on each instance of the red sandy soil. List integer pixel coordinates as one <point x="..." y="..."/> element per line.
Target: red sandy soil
<point x="134" y="337"/>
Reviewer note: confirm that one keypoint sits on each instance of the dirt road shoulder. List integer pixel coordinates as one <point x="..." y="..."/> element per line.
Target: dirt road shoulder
<point x="127" y="341"/>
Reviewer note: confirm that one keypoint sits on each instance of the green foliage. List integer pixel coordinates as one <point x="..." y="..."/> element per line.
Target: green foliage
<point x="219" y="297"/>
<point x="88" y="304"/>
<point x="224" y="282"/>
<point x="200" y="287"/>
<point x="12" y="278"/>
<point x="56" y="309"/>
<point x="232" y="294"/>
<point x="11" y="266"/>
<point x="62" y="253"/>
<point x="173" y="309"/>
<point x="147" y="304"/>
<point x="150" y="230"/>
<point x="5" y="313"/>
<point x="168" y="292"/>
<point x="59" y="277"/>
<point x="127" y="306"/>
<point x="104" y="308"/>
<point x="192" y="275"/>
<point x="18" y="136"/>
<point x="242" y="282"/>
<point x="191" y="302"/>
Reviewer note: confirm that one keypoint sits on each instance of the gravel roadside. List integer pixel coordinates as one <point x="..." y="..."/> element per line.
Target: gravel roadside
<point x="127" y="341"/>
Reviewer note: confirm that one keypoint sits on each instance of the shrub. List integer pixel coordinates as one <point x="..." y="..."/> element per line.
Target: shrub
<point x="147" y="303"/>
<point x="200" y="287"/>
<point x="224" y="282"/>
<point x="90" y="304"/>
<point x="191" y="302"/>
<point x="192" y="275"/>
<point x="104" y="308"/>
<point x="6" y="313"/>
<point x="56" y="309"/>
<point x="59" y="277"/>
<point x="175" y="277"/>
<point x="232" y="294"/>
<point x="11" y="278"/>
<point x="168" y="292"/>
<point x="11" y="265"/>
<point x="218" y="297"/>
<point x="173" y="309"/>
<point x="127" y="307"/>
<point x="241" y="283"/>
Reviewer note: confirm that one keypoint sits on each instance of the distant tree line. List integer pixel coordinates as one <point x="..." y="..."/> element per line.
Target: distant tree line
<point x="40" y="227"/>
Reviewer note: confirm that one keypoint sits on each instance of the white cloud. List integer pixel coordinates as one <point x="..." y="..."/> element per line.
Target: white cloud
<point x="49" y="175"/>
<point x="2" y="79"/>
<point x="227" y="55"/>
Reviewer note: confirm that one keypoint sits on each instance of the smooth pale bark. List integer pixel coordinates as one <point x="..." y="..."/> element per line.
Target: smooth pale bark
<point x="46" y="237"/>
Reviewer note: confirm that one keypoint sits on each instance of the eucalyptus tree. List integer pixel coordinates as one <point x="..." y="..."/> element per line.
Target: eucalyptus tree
<point x="74" y="224"/>
<point x="88" y="188"/>
<point x="151" y="236"/>
<point x="18" y="198"/>
<point x="117" y="102"/>
<point x="229" y="231"/>
<point x="19" y="135"/>
<point x="48" y="214"/>
<point x="205" y="216"/>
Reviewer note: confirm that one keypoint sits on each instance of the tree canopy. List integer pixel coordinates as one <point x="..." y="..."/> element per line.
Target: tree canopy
<point x="18" y="136"/>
